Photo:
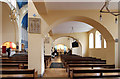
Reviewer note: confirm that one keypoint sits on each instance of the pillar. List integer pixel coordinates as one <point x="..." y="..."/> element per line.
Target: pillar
<point x="118" y="36"/>
<point x="20" y="37"/>
<point x="94" y="39"/>
<point x="116" y="54"/>
<point x="36" y="53"/>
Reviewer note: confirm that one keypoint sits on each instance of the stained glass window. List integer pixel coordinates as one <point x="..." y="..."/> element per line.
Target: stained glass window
<point x="9" y="44"/>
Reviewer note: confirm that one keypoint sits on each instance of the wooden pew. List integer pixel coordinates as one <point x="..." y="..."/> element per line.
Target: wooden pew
<point x="14" y="62"/>
<point x="9" y="66"/>
<point x="15" y="59"/>
<point x="77" y="73"/>
<point x="23" y="66"/>
<point x="14" y="66"/>
<point x="66" y="58"/>
<point x="83" y="62"/>
<point x="70" y="67"/>
<point x="18" y="74"/>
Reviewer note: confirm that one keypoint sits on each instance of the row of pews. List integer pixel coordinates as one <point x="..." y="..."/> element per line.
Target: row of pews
<point x="17" y="61"/>
<point x="16" y="67"/>
<point x="88" y="67"/>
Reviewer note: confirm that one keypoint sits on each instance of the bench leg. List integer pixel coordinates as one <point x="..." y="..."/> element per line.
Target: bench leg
<point x="101" y="74"/>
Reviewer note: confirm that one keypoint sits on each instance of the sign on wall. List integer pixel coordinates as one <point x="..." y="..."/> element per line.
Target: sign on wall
<point x="34" y="25"/>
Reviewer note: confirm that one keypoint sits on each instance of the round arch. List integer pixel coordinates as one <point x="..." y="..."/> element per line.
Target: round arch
<point x="80" y="45"/>
<point x="69" y="37"/>
<point x="106" y="34"/>
<point x="24" y="11"/>
<point x="110" y="52"/>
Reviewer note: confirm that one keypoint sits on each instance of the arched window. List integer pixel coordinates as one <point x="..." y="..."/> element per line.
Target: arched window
<point x="9" y="44"/>
<point x="91" y="41"/>
<point x="97" y="39"/>
<point x="105" y="44"/>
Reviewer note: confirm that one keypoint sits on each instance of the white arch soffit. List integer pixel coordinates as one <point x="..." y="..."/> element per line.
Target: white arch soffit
<point x="23" y="11"/>
<point x="6" y="1"/>
<point x="69" y="37"/>
<point x="77" y="18"/>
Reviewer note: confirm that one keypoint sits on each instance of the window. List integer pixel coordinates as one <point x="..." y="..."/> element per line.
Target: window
<point x="91" y="41"/>
<point x="97" y="39"/>
<point x="9" y="44"/>
<point x="105" y="44"/>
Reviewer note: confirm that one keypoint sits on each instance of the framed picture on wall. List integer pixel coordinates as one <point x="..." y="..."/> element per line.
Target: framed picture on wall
<point x="34" y="25"/>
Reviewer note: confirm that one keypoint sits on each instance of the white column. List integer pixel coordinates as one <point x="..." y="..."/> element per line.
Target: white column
<point x="71" y="40"/>
<point x="20" y="35"/>
<point x="119" y="37"/>
<point x="36" y="53"/>
<point x="116" y="54"/>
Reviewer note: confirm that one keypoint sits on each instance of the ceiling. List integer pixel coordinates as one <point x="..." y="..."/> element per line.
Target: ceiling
<point x="67" y="27"/>
<point x="79" y="5"/>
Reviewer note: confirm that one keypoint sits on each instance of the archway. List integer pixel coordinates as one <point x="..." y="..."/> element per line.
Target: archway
<point x="106" y="34"/>
<point x="10" y="29"/>
<point x="61" y="49"/>
<point x="67" y="41"/>
<point x="69" y="37"/>
<point x="6" y="45"/>
<point x="98" y="26"/>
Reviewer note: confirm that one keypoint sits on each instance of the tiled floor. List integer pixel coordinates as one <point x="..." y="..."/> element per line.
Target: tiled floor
<point x="55" y="72"/>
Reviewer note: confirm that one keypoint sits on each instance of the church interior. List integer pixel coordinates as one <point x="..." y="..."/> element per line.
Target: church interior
<point x="59" y="39"/>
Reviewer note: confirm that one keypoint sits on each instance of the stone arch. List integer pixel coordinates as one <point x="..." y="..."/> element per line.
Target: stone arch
<point x="69" y="37"/>
<point x="80" y="45"/>
<point x="106" y="34"/>
<point x="24" y="11"/>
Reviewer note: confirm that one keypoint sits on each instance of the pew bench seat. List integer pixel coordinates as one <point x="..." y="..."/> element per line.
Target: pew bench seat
<point x="94" y="73"/>
<point x="14" y="62"/>
<point x="18" y="74"/>
<point x="9" y="66"/>
<point x="72" y="66"/>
